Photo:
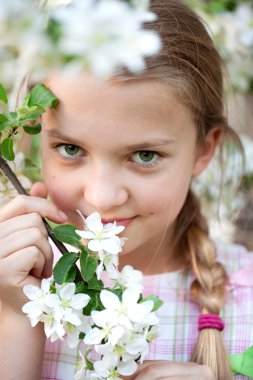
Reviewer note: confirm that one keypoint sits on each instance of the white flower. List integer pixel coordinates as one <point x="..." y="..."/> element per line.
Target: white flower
<point x="37" y="306"/>
<point x="111" y="35"/>
<point x="82" y="368"/>
<point x="108" y="328"/>
<point x="111" y="367"/>
<point x="119" y="351"/>
<point x="138" y="346"/>
<point x="101" y="237"/>
<point x="73" y="331"/>
<point x="128" y="310"/>
<point x="109" y="263"/>
<point x="67" y="305"/>
<point x="53" y="327"/>
<point x="129" y="278"/>
<point x="106" y="367"/>
<point x="152" y="333"/>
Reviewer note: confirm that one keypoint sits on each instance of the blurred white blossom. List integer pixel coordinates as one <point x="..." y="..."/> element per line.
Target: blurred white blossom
<point x="233" y="34"/>
<point x="99" y="36"/>
<point x="111" y="35"/>
<point x="220" y="187"/>
<point x="51" y="4"/>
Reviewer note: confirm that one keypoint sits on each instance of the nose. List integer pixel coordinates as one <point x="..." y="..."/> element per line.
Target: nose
<point x="104" y="191"/>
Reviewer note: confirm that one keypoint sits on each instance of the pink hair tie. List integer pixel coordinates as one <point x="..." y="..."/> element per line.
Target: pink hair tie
<point x="210" y="321"/>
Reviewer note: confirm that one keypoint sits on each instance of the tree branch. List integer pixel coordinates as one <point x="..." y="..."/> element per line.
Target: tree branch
<point x="20" y="189"/>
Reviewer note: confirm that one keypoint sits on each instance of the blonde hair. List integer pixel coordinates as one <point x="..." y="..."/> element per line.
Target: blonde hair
<point x="189" y="61"/>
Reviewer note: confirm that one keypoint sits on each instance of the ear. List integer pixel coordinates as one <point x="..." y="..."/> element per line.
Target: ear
<point x="206" y="150"/>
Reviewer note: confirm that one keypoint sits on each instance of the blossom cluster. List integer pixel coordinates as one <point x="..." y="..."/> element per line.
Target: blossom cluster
<point x="60" y="309"/>
<point x="236" y="178"/>
<point x="97" y="35"/>
<point x="233" y="34"/>
<point x="111" y="317"/>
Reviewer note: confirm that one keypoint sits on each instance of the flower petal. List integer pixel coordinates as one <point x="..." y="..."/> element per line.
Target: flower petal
<point x="93" y="222"/>
<point x="79" y="301"/>
<point x="109" y="300"/>
<point x="112" y="245"/>
<point x="95" y="245"/>
<point x="32" y="292"/>
<point x="94" y="336"/>
<point x="67" y="291"/>
<point x="127" y="368"/>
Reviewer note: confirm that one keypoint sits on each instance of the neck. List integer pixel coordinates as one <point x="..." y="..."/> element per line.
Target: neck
<point x="156" y="256"/>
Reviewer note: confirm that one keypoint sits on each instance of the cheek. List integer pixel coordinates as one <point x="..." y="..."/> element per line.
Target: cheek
<point x="58" y="191"/>
<point x="166" y="197"/>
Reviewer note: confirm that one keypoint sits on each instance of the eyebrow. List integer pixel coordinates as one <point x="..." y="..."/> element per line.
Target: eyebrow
<point x="138" y="146"/>
<point x="61" y="136"/>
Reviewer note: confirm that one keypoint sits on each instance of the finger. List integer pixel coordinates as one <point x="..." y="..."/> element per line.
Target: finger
<point x="165" y="369"/>
<point x="22" y="222"/>
<point x="16" y="268"/>
<point x="39" y="189"/>
<point x="24" y="204"/>
<point x="20" y="240"/>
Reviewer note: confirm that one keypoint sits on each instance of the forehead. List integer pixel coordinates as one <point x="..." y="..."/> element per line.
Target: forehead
<point x="131" y="104"/>
<point x="86" y="89"/>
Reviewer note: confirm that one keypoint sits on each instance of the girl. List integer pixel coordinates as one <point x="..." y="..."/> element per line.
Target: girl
<point x="129" y="148"/>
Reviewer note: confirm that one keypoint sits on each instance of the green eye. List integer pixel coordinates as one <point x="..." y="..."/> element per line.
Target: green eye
<point x="145" y="158"/>
<point x="69" y="151"/>
<point x="72" y="150"/>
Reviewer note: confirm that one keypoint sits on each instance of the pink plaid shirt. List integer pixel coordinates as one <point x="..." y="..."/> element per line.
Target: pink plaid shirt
<point x="179" y="315"/>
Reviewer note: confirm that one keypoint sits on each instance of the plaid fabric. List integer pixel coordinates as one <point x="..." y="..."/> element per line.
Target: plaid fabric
<point x="178" y="317"/>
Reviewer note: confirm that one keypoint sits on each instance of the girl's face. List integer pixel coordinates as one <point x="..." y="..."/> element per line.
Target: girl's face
<point x="126" y="150"/>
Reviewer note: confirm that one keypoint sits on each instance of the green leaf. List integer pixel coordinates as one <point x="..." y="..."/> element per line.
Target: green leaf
<point x="80" y="287"/>
<point x="157" y="301"/>
<point x="63" y="270"/>
<point x="7" y="149"/>
<point x="242" y="363"/>
<point x="32" y="130"/>
<point x="94" y="303"/>
<point x="88" y="264"/>
<point x="3" y="95"/>
<point x="66" y="234"/>
<point x="26" y="113"/>
<point x="4" y="122"/>
<point x="71" y="275"/>
<point x="41" y="96"/>
<point x="95" y="284"/>
<point x="8" y="120"/>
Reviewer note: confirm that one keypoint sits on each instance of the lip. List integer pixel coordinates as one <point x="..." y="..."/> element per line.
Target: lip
<point x="120" y="222"/>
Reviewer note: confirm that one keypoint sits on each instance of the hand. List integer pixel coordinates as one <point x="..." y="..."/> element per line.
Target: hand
<point x="25" y="253"/>
<point x="163" y="370"/>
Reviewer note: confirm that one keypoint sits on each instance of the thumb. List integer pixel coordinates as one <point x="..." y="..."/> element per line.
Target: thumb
<point x="39" y="189"/>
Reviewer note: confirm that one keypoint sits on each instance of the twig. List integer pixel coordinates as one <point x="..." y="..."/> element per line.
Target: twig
<point x="18" y="186"/>
<point x="20" y="189"/>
